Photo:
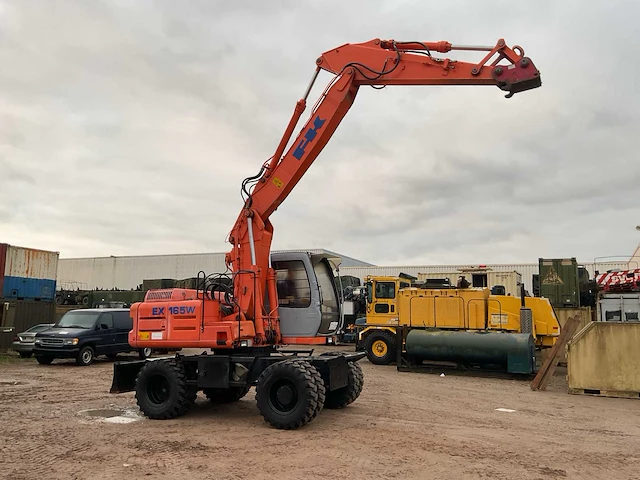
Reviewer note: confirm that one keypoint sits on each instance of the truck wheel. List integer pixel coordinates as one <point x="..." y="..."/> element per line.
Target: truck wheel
<point x="144" y="353"/>
<point x="226" y="395"/>
<point x="85" y="356"/>
<point x="342" y="397"/>
<point x="162" y="391"/>
<point x="290" y="394"/>
<point x="380" y="347"/>
<point x="44" y="360"/>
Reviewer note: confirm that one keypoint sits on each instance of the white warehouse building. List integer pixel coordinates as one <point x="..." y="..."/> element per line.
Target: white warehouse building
<point x="128" y="272"/>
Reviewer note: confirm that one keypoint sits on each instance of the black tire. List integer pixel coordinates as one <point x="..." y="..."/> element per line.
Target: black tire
<point x="226" y="395"/>
<point x="162" y="391"/>
<point x="344" y="396"/>
<point x="144" y="353"/>
<point x="44" y="360"/>
<point x="380" y="347"/>
<point x="85" y="357"/>
<point x="26" y="354"/>
<point x="290" y="393"/>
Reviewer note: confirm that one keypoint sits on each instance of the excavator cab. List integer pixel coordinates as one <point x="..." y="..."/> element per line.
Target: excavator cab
<point x="308" y="303"/>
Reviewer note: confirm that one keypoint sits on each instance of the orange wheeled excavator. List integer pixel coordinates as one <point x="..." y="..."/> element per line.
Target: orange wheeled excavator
<point x="239" y="321"/>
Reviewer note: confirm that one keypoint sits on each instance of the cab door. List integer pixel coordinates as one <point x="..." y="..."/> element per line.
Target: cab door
<point x="123" y="325"/>
<point x="383" y="305"/>
<point x="106" y="334"/>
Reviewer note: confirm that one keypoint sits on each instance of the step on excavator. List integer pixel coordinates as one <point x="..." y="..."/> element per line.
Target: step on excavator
<point x="240" y="321"/>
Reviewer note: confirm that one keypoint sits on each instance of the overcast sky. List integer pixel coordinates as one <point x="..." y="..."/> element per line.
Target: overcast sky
<point x="126" y="128"/>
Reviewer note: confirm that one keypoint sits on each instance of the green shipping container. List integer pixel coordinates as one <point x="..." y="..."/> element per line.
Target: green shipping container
<point x="104" y="297"/>
<point x="158" y="283"/>
<point x="559" y="281"/>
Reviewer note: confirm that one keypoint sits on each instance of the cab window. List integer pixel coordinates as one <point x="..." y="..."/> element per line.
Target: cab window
<point x="292" y="284"/>
<point x="381" y="308"/>
<point x="123" y="321"/>
<point x="385" y="290"/>
<point x="106" y="319"/>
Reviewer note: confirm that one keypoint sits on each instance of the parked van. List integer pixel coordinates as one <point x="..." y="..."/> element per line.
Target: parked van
<point x="84" y="334"/>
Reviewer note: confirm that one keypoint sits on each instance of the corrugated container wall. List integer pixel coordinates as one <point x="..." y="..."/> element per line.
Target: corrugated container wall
<point x="29" y="274"/>
<point x="129" y="272"/>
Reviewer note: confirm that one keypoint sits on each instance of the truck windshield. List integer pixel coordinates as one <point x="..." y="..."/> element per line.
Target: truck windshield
<point x="77" y="320"/>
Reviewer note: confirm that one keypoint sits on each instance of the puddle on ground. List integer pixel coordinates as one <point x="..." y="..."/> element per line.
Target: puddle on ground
<point x="104" y="413"/>
<point x="111" y="415"/>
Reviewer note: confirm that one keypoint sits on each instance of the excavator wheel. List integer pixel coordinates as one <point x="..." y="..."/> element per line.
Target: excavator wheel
<point x="344" y="396"/>
<point x="226" y="395"/>
<point x="162" y="391"/>
<point x="290" y="393"/>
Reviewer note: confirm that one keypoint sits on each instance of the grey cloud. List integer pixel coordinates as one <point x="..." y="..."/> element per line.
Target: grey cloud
<point x="137" y="121"/>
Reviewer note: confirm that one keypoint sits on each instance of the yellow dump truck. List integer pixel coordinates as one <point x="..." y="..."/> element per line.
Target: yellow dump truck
<point x="393" y="302"/>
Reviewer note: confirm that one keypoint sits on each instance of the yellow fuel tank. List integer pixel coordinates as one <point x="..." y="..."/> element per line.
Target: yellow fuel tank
<point x="473" y="309"/>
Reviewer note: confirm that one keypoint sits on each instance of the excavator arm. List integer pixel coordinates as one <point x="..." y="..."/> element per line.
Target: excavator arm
<point x="377" y="63"/>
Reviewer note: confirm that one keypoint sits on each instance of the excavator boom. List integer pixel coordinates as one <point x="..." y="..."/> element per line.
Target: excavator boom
<point x="377" y="63"/>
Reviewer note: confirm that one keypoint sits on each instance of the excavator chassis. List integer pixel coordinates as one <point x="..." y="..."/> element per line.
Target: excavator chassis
<point x="291" y="388"/>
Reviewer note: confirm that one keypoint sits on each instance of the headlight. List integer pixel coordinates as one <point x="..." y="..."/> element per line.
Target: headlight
<point x="72" y="341"/>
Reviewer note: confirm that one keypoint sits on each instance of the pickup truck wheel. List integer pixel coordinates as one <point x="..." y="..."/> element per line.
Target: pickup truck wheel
<point x="144" y="353"/>
<point x="85" y="356"/>
<point x="290" y="393"/>
<point x="380" y="347"/>
<point x="162" y="391"/>
<point x="44" y="360"/>
<point x="342" y="397"/>
<point x="225" y="395"/>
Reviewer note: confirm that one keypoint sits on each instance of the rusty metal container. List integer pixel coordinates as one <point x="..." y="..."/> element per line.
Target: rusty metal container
<point x="27" y="273"/>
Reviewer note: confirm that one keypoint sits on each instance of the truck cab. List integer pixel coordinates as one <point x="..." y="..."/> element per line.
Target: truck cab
<point x="376" y="333"/>
<point x="382" y="295"/>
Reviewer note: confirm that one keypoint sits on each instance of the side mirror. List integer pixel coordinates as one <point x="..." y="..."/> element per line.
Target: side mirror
<point x="104" y="326"/>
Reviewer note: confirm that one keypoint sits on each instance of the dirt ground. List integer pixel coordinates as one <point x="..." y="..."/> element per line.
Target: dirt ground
<point x="404" y="425"/>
